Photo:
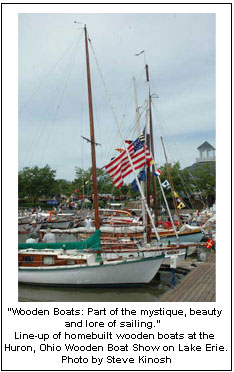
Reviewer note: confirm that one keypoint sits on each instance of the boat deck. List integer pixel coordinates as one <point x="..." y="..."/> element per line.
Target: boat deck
<point x="199" y="285"/>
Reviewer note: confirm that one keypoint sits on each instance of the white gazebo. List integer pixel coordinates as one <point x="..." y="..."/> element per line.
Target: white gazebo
<point x="207" y="153"/>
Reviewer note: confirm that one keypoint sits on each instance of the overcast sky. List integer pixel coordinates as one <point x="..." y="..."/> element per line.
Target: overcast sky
<point x="53" y="109"/>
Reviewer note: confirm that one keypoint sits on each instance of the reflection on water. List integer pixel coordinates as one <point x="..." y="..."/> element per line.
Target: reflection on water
<point x="144" y="293"/>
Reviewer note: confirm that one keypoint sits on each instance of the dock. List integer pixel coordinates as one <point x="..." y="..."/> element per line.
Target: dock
<point x="199" y="285"/>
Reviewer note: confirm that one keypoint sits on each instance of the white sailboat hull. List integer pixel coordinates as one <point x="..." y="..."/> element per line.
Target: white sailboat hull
<point x="118" y="273"/>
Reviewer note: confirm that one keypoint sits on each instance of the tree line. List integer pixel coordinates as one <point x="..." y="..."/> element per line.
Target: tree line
<point x="195" y="182"/>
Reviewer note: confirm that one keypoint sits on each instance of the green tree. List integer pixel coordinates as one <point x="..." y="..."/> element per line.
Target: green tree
<point x="35" y="182"/>
<point x="64" y="187"/>
<point x="203" y="181"/>
<point x="84" y="179"/>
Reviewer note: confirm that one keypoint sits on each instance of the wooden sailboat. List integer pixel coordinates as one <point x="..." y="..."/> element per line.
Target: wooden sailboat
<point x="186" y="233"/>
<point x="62" y="264"/>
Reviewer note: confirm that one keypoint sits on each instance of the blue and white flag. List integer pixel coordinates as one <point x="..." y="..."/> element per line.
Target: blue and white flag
<point x="166" y="184"/>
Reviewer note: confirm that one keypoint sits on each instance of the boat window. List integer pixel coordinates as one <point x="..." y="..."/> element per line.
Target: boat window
<point x="28" y="258"/>
<point x="48" y="260"/>
<point x="71" y="262"/>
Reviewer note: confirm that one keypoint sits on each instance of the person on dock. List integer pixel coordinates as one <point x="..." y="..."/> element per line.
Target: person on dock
<point x="76" y="223"/>
<point x="49" y="237"/>
<point x="33" y="228"/>
<point x="88" y="222"/>
<point x="32" y="238"/>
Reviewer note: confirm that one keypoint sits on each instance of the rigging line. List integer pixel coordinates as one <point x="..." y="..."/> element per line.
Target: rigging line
<point x="131" y="133"/>
<point x="100" y="189"/>
<point x="190" y="189"/>
<point x="45" y="78"/>
<point x="191" y="175"/>
<point x="60" y="100"/>
<point x="166" y="132"/>
<point x="186" y="191"/>
<point x="82" y="142"/>
<point x="42" y="127"/>
<point x="124" y="118"/>
<point x="56" y="98"/>
<point x="180" y="176"/>
<point x="122" y="121"/>
<point x="82" y="124"/>
<point x="134" y="120"/>
<point x="173" y="146"/>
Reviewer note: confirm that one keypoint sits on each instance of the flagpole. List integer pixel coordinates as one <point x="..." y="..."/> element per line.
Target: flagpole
<point x="172" y="185"/>
<point x="168" y="209"/>
<point x="139" y="132"/>
<point x="153" y="166"/>
<point x="150" y="144"/>
<point x="137" y="108"/>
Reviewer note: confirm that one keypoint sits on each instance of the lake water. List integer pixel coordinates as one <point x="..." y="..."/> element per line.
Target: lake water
<point x="145" y="293"/>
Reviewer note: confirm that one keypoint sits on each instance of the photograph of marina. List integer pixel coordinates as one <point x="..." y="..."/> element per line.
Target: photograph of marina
<point x="117" y="157"/>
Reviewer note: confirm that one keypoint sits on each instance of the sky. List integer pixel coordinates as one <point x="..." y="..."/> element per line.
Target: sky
<point x="180" y="51"/>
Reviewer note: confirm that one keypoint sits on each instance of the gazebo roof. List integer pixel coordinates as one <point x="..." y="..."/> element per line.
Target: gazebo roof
<point x="206" y="146"/>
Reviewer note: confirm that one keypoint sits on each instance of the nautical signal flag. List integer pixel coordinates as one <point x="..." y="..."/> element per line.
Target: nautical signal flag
<point x="181" y="205"/>
<point x="141" y="177"/>
<point x="77" y="190"/>
<point x="176" y="195"/>
<point x="120" y="167"/>
<point x="158" y="172"/>
<point x="120" y="150"/>
<point x="166" y="184"/>
<point x="209" y="243"/>
<point x="91" y="179"/>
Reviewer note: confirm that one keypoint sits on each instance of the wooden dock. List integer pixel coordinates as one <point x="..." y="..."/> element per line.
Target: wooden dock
<point x="199" y="285"/>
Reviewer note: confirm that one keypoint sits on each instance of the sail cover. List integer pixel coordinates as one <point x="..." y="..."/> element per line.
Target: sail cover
<point x="94" y="243"/>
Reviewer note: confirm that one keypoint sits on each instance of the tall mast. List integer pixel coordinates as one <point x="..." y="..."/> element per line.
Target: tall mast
<point x="92" y="137"/>
<point x="137" y="108"/>
<point x="148" y="142"/>
<point x="139" y="132"/>
<point x="172" y="185"/>
<point x="153" y="166"/>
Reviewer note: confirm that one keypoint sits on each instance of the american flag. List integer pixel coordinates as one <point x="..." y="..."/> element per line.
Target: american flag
<point x="120" y="167"/>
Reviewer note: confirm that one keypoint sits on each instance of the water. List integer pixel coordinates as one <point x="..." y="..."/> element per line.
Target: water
<point x="145" y="293"/>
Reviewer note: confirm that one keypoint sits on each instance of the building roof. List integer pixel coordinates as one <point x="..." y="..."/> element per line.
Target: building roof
<point x="206" y="146"/>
